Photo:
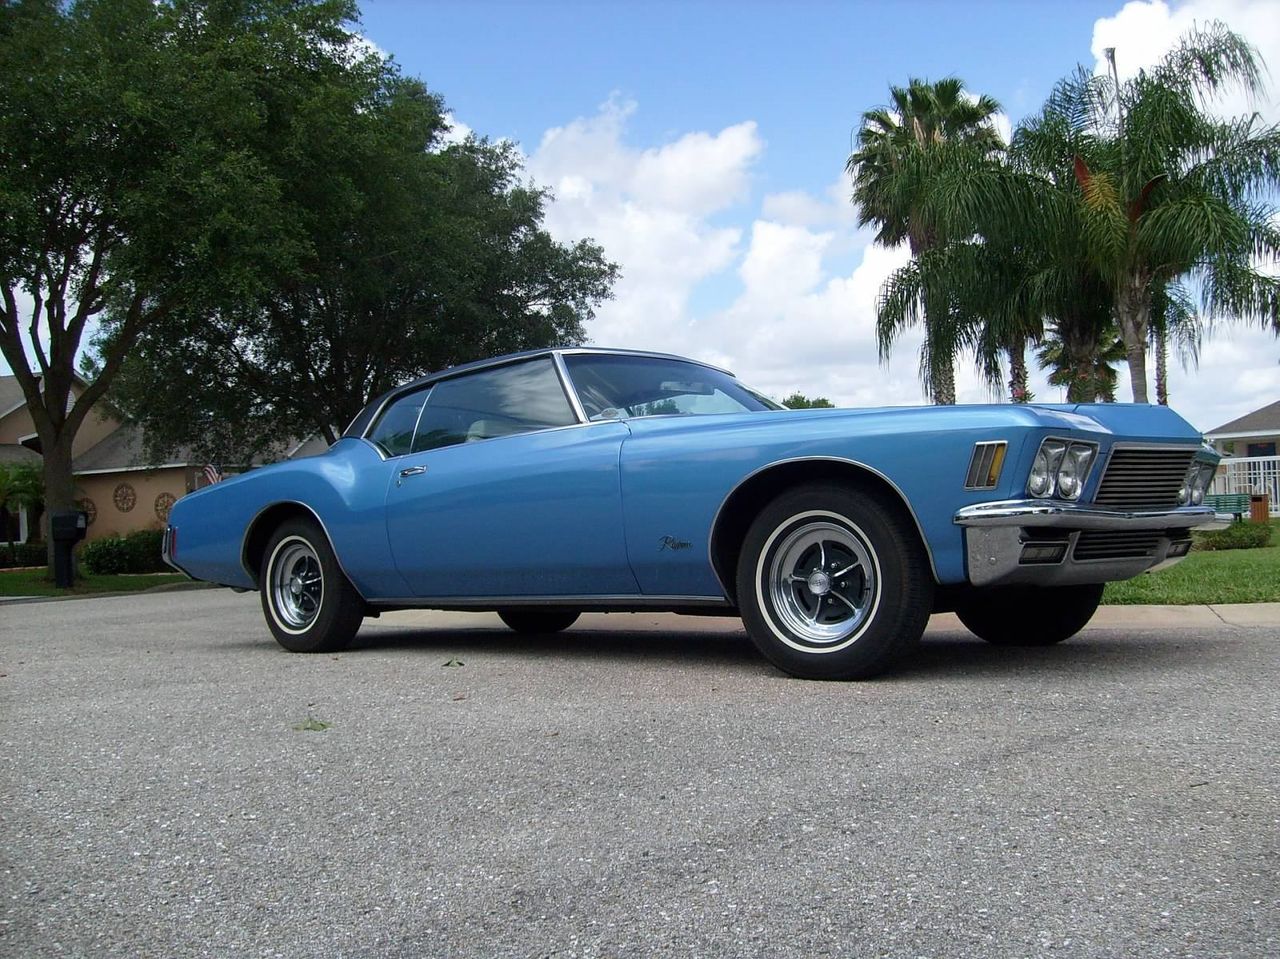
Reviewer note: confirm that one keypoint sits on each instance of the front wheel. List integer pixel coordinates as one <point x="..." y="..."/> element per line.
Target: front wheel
<point x="538" y="621"/>
<point x="1029" y="615"/>
<point x="833" y="582"/>
<point x="309" y="605"/>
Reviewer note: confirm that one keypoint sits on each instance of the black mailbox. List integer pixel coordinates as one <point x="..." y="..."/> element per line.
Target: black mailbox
<point x="66" y="529"/>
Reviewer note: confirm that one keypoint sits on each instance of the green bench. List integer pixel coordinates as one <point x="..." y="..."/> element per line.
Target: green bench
<point x="1237" y="504"/>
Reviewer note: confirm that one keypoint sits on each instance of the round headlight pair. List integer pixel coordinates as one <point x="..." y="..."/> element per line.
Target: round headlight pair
<point x="1196" y="483"/>
<point x="1060" y="468"/>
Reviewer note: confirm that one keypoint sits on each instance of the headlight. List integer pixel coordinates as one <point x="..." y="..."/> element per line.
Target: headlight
<point x="1201" y="477"/>
<point x="1044" y="470"/>
<point x="1061" y="468"/>
<point x="1074" y="470"/>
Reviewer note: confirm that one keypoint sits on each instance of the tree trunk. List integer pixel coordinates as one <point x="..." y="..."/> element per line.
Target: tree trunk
<point x="1080" y="360"/>
<point x="1018" y="392"/>
<point x="944" y="385"/>
<point x="59" y="486"/>
<point x="1162" y="366"/>
<point x="1133" y="309"/>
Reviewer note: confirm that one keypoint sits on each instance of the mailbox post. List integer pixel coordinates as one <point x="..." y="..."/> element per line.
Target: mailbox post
<point x="66" y="529"/>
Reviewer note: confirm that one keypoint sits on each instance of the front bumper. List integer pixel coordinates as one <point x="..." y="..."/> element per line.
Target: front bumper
<point x="1052" y="543"/>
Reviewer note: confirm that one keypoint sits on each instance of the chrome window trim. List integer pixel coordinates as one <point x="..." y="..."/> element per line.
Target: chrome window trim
<point x="571" y="398"/>
<point x="570" y="390"/>
<point x="490" y="439"/>
<point x="476" y="366"/>
<point x="418" y="422"/>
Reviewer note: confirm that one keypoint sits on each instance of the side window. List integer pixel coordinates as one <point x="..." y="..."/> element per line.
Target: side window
<point x="491" y="403"/>
<point x="393" y="433"/>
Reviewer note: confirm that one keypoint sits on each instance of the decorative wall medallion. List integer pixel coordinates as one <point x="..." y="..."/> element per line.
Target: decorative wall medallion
<point x="87" y="505"/>
<point x="164" y="503"/>
<point x="124" y="497"/>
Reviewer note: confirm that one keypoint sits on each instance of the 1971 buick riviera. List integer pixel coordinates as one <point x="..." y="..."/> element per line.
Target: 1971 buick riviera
<point x="549" y="483"/>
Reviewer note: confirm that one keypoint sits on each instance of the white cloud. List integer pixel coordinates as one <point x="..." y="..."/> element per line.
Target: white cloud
<point x="455" y="130"/>
<point x="801" y="208"/>
<point x="787" y="298"/>
<point x="1144" y="30"/>
<point x="654" y="210"/>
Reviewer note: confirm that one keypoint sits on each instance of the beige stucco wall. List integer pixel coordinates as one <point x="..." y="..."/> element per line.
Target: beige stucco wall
<point x="147" y="485"/>
<point x="1240" y="446"/>
<point x="15" y="426"/>
<point x="92" y="431"/>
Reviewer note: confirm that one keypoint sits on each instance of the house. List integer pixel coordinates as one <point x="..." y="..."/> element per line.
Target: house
<point x="1250" y="462"/>
<point x="116" y="484"/>
<point x="1254" y="434"/>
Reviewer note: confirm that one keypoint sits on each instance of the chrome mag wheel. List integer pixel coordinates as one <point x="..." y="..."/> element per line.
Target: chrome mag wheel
<point x="297" y="583"/>
<point x="823" y="582"/>
<point x="833" y="580"/>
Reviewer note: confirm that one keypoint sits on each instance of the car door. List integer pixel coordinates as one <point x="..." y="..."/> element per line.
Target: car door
<point x="503" y="493"/>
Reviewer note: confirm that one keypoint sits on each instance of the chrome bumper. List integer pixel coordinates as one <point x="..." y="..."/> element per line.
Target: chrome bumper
<point x="1000" y="537"/>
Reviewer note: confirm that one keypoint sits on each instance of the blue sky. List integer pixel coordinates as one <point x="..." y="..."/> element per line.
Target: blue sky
<point x="703" y="144"/>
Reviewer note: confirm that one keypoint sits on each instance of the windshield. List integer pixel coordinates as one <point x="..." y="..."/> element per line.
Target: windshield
<point x="611" y="385"/>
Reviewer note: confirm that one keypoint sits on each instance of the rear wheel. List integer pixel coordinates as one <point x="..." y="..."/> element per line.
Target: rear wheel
<point x="833" y="582"/>
<point x="1029" y="615"/>
<point x="309" y="605"/>
<point x="535" y="621"/>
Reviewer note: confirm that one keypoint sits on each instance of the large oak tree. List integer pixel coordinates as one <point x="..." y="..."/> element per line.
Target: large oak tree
<point x="137" y="182"/>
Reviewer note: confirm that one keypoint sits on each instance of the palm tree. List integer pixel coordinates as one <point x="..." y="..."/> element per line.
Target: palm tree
<point x="903" y="149"/>
<point x="1091" y="383"/>
<point x="1168" y="191"/>
<point x="1173" y="316"/>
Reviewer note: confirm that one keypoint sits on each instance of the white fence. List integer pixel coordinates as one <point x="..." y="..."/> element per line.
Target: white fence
<point x="1250" y="474"/>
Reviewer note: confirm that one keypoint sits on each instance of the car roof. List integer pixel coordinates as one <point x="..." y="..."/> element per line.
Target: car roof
<point x="366" y="416"/>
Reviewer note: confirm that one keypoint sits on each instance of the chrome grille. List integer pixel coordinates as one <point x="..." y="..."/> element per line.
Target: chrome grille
<point x="1117" y="544"/>
<point x="1143" y="477"/>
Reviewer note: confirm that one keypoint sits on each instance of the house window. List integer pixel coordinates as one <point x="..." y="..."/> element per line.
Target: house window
<point x="1261" y="449"/>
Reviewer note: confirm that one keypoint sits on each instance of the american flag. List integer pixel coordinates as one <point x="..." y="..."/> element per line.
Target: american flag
<point x="212" y="474"/>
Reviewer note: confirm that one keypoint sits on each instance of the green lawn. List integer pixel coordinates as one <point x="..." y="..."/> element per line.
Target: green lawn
<point x="36" y="582"/>
<point x="1225" y="576"/>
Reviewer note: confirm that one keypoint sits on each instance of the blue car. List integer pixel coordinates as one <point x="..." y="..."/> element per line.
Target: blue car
<point x="544" y="484"/>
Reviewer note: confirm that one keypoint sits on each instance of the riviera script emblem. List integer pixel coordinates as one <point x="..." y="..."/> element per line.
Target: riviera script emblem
<point x="673" y="544"/>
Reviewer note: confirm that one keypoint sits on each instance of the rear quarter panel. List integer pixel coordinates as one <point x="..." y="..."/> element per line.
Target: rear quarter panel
<point x="345" y="488"/>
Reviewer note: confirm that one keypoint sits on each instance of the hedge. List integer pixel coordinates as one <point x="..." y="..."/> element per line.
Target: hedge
<point x="1238" y="535"/>
<point x="23" y="554"/>
<point x="139" y="552"/>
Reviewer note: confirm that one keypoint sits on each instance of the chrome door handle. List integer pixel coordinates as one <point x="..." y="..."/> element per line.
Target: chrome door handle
<point x="412" y="471"/>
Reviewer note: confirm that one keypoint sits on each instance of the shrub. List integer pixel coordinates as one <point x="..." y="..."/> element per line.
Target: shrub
<point x="143" y="548"/>
<point x="1235" y="536"/>
<point x="24" y="554"/>
<point x="105" y="556"/>
<point x="139" y="552"/>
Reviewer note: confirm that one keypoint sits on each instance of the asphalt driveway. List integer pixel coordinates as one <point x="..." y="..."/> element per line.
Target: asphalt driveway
<point x="173" y="784"/>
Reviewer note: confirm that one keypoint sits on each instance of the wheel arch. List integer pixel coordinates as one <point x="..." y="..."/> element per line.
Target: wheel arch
<point x="258" y="533"/>
<point x="745" y="501"/>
